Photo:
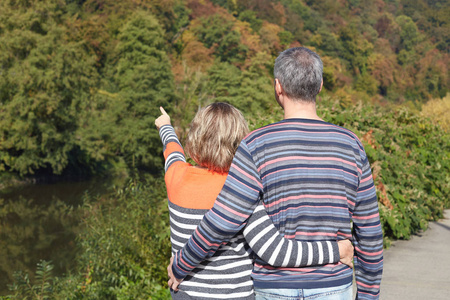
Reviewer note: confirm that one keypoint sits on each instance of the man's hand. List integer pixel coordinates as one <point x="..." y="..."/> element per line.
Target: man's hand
<point x="346" y="252"/>
<point x="173" y="282"/>
<point x="163" y="119"/>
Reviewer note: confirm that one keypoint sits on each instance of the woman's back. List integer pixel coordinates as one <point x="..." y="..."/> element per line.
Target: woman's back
<point x="192" y="192"/>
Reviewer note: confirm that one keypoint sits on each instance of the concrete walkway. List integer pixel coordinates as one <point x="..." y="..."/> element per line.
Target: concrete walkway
<point x="419" y="268"/>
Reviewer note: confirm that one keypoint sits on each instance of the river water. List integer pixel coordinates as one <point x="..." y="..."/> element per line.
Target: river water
<point x="41" y="222"/>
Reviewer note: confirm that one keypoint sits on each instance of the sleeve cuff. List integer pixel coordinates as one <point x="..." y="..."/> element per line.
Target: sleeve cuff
<point x="336" y="256"/>
<point x="176" y="272"/>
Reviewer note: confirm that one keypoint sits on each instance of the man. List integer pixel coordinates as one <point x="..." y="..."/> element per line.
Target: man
<point x="316" y="184"/>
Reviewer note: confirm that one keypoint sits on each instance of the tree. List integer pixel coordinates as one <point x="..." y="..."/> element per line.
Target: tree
<point x="409" y="34"/>
<point x="121" y="123"/>
<point x="216" y="32"/>
<point x="45" y="84"/>
<point x="356" y="49"/>
<point x="251" y="90"/>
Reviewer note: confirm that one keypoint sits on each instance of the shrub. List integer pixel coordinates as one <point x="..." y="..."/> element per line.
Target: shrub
<point x="410" y="159"/>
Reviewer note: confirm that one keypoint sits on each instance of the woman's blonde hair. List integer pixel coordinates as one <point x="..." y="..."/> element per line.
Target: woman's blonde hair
<point x="214" y="136"/>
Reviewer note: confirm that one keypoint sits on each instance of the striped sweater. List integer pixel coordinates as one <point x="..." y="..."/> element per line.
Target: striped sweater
<point x="226" y="273"/>
<point x="316" y="184"/>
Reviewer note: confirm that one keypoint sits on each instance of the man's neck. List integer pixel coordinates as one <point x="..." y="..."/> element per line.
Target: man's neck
<point x="300" y="110"/>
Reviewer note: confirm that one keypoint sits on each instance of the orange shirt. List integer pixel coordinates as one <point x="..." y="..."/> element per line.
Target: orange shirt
<point x="189" y="186"/>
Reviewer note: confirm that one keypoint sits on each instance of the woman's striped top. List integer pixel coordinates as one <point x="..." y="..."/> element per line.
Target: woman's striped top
<point x="226" y="273"/>
<point x="316" y="184"/>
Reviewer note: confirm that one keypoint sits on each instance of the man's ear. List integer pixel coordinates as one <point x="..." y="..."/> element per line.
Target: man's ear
<point x="321" y="85"/>
<point x="279" y="93"/>
<point x="278" y="87"/>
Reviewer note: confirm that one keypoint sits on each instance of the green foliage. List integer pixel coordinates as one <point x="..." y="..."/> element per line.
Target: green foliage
<point x="44" y="85"/>
<point x="251" y="18"/>
<point x="248" y="90"/>
<point x="327" y="42"/>
<point x="143" y="82"/>
<point x="355" y="49"/>
<point x="410" y="159"/>
<point x="217" y="33"/>
<point x="67" y="104"/>
<point x="286" y="38"/>
<point x="366" y="83"/>
<point x="42" y="289"/>
<point x="409" y="34"/>
<point x="125" y="248"/>
<point x="119" y="126"/>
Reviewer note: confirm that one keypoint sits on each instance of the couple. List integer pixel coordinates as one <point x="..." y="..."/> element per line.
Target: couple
<point x="311" y="177"/>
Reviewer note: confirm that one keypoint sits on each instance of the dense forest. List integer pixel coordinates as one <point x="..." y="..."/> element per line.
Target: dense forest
<point x="81" y="83"/>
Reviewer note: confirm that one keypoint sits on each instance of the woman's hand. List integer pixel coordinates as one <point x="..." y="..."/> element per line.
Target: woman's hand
<point x="346" y="250"/>
<point x="163" y="119"/>
<point x="173" y="282"/>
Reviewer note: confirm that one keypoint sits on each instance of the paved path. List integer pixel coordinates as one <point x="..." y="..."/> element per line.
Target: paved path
<point x="419" y="268"/>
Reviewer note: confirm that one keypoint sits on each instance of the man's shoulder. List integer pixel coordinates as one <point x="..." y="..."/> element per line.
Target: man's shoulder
<point x="283" y="130"/>
<point x="261" y="131"/>
<point x="346" y="131"/>
<point x="313" y="125"/>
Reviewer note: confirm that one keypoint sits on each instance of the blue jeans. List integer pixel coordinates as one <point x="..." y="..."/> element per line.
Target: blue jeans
<point x="342" y="292"/>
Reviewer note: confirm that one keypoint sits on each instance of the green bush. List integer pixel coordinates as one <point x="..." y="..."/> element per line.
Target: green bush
<point x="410" y="159"/>
<point x="124" y="249"/>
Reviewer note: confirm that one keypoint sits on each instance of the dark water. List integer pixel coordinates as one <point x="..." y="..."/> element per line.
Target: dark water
<point x="41" y="221"/>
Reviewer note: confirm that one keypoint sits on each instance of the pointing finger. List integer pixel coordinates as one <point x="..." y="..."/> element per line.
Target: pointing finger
<point x="163" y="111"/>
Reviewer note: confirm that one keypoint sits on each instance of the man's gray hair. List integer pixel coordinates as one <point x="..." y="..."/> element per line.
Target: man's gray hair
<point x="299" y="71"/>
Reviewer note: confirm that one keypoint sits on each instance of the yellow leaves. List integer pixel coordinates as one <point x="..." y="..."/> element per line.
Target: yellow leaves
<point x="195" y="54"/>
<point x="438" y="111"/>
<point x="105" y="93"/>
<point x="252" y="41"/>
<point x="344" y="97"/>
<point x="269" y="36"/>
<point x="333" y="75"/>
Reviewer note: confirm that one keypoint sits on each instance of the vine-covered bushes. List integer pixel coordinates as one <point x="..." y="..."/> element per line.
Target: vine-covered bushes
<point x="410" y="159"/>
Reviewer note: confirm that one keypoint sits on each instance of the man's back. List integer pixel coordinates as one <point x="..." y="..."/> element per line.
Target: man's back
<point x="312" y="174"/>
<point x="309" y="172"/>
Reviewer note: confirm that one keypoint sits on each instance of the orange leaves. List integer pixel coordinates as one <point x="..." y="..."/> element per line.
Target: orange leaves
<point x="383" y="198"/>
<point x="381" y="67"/>
<point x="248" y="38"/>
<point x="368" y="137"/>
<point x="202" y="8"/>
<point x="381" y="188"/>
<point x="195" y="53"/>
<point x="269" y="37"/>
<point x="279" y="8"/>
